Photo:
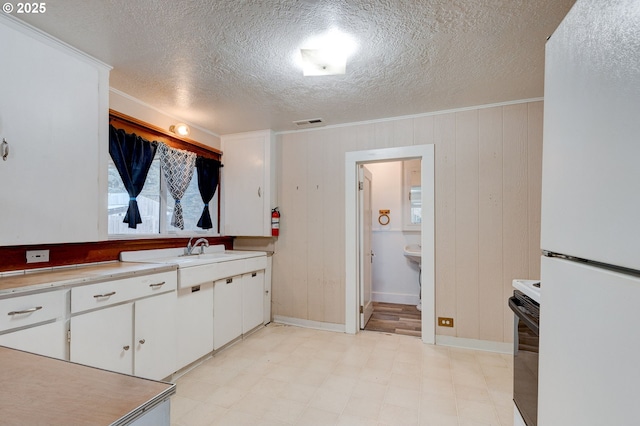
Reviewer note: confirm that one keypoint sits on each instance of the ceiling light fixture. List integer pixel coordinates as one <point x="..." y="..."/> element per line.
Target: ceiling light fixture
<point x="322" y="62"/>
<point x="327" y="54"/>
<point x="180" y="129"/>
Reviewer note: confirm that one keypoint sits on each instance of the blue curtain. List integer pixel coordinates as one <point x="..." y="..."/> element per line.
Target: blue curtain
<point x="132" y="156"/>
<point x="208" y="178"/>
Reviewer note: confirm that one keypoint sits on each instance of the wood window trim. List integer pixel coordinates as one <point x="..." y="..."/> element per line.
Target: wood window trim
<point x="153" y="133"/>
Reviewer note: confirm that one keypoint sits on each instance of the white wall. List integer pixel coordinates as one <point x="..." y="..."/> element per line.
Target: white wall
<point x="133" y="107"/>
<point x="394" y="277"/>
<point x="488" y="166"/>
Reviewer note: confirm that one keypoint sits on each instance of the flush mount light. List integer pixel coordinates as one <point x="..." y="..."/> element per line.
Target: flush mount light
<point x="180" y="129"/>
<point x="322" y="62"/>
<point x="327" y="54"/>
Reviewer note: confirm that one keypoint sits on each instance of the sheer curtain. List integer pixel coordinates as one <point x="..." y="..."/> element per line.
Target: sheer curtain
<point x="132" y="156"/>
<point x="177" y="165"/>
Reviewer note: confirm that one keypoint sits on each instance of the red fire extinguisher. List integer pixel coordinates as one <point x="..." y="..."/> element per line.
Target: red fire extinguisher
<point x="275" y="222"/>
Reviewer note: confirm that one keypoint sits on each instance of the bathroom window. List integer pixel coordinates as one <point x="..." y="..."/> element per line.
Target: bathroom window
<point x="412" y="196"/>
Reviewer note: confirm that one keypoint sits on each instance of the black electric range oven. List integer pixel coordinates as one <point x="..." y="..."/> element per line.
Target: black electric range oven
<point x="525" y="355"/>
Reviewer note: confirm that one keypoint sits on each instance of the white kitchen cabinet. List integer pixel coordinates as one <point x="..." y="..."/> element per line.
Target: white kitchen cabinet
<point x="154" y="336"/>
<point x="126" y="325"/>
<point x="238" y="306"/>
<point x="227" y="310"/>
<point x="267" y="291"/>
<point x="35" y="323"/>
<point x="252" y="300"/>
<point x="249" y="184"/>
<point x="104" y="339"/>
<point x="133" y="338"/>
<point x="54" y="105"/>
<point x="47" y="339"/>
<point x="194" y="322"/>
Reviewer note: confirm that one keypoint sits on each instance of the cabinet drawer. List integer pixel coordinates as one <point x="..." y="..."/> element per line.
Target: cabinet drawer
<point x="188" y="277"/>
<point x="108" y="293"/>
<point x="34" y="308"/>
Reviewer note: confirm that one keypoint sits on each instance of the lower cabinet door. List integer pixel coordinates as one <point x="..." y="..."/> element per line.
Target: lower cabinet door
<point x="252" y="300"/>
<point x="227" y="310"/>
<point x="154" y="337"/>
<point x="104" y="338"/>
<point x="194" y="324"/>
<point x="48" y="340"/>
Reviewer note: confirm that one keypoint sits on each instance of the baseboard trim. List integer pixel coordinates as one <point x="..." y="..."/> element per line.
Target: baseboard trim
<point x="455" y="342"/>
<point x="402" y="299"/>
<point x="481" y="345"/>
<point x="327" y="326"/>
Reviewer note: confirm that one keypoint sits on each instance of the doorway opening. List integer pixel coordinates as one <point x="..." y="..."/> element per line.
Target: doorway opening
<point x="356" y="254"/>
<point x="395" y="318"/>
<point x="390" y="215"/>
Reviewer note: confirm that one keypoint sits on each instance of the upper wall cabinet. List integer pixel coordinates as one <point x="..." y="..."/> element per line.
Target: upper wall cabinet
<point x="54" y="121"/>
<point x="249" y="184"/>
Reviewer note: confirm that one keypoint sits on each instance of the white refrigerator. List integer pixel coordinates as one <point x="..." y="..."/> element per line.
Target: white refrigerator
<point x="589" y="361"/>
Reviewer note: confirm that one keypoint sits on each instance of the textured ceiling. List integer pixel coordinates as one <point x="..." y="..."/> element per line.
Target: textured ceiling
<point x="228" y="65"/>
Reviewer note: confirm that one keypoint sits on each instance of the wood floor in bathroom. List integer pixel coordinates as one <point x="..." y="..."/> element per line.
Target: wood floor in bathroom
<point x="395" y="318"/>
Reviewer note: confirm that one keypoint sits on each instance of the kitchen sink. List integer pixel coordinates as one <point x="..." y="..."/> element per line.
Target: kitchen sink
<point x="214" y="263"/>
<point x="177" y="256"/>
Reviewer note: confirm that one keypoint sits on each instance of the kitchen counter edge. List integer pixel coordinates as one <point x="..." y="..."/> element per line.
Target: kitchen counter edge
<point x="66" y="277"/>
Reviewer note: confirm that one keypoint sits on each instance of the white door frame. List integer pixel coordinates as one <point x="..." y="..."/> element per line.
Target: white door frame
<point x="352" y="287"/>
<point x="365" y="257"/>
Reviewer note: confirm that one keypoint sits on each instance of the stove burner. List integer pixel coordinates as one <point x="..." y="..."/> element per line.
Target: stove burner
<point x="536" y="285"/>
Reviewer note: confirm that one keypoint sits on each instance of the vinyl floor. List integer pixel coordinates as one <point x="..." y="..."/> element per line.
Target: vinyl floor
<point x="291" y="376"/>
<point x="396" y="319"/>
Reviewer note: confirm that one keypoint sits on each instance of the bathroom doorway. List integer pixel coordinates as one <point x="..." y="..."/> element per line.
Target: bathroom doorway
<point x="353" y="253"/>
<point x="393" y="215"/>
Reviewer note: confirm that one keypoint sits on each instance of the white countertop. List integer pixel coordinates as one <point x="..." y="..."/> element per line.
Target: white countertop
<point x="26" y="282"/>
<point x="176" y="256"/>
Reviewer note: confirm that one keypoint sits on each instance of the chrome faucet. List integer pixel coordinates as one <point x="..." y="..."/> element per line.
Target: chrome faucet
<point x="189" y="250"/>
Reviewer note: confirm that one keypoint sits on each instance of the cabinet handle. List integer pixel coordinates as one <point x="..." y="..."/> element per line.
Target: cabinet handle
<point x="254" y="274"/>
<point x="141" y="341"/>
<point x="97" y="296"/>
<point x="5" y="149"/>
<point x="26" y="311"/>
<point x="266" y="291"/>
<point x="157" y="285"/>
<point x="259" y="192"/>
<point x="229" y="280"/>
<point x="126" y="347"/>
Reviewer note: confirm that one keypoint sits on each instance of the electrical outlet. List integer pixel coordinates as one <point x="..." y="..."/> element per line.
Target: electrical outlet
<point x="445" y="322"/>
<point x="36" y="256"/>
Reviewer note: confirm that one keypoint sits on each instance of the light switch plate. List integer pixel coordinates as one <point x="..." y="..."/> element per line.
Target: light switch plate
<point x="36" y="256"/>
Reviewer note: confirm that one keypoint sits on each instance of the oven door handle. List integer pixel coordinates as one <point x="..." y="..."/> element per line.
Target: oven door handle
<point x="523" y="316"/>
